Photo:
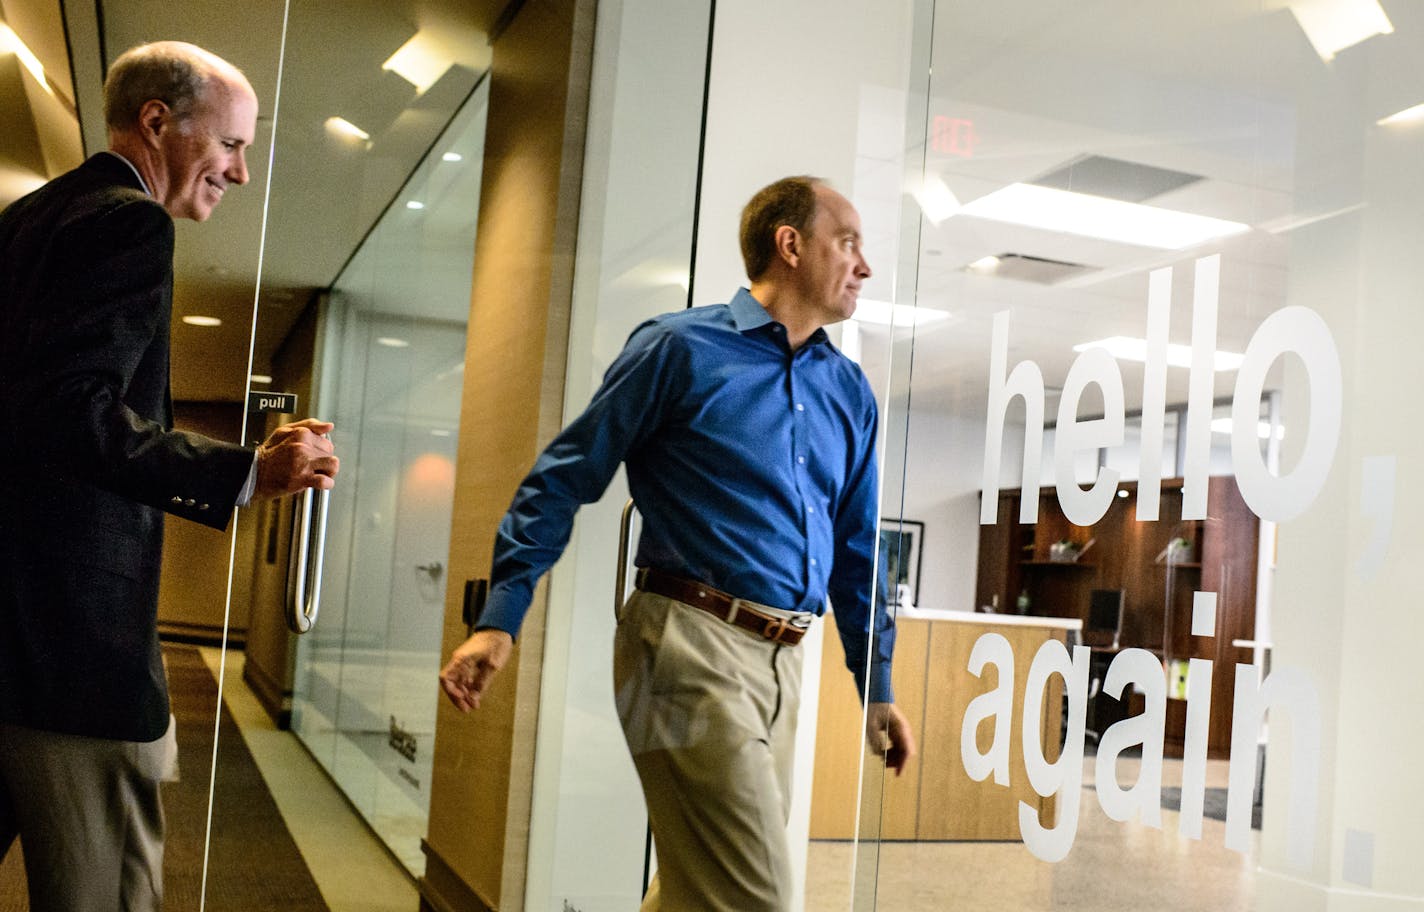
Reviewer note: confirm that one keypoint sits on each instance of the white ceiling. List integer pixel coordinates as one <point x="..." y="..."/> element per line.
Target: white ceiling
<point x="1211" y="88"/>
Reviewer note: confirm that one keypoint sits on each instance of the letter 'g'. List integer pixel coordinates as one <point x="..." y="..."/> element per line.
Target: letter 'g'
<point x="1064" y="777"/>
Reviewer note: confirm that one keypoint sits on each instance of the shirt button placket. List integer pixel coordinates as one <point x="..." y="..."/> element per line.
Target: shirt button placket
<point x="799" y="435"/>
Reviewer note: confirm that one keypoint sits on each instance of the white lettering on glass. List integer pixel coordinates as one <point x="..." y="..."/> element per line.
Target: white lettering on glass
<point x="1083" y="508"/>
<point x="1302" y="331"/>
<point x="1064" y="777"/>
<point x="1025" y="381"/>
<point x="1290" y="329"/>
<point x="1274" y="498"/>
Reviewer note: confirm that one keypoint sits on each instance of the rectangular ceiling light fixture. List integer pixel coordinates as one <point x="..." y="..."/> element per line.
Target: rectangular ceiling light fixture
<point x="420" y="61"/>
<point x="1399" y="118"/>
<point x="883" y="313"/>
<point x="343" y="127"/>
<point x="1124" y="348"/>
<point x="1333" y="25"/>
<point x="11" y="43"/>
<point x="1098" y="217"/>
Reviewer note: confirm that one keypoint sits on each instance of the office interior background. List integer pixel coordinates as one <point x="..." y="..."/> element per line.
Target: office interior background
<point x="1143" y="329"/>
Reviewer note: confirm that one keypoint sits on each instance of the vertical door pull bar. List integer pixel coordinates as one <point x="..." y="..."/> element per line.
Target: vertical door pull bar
<point x="620" y="584"/>
<point x="305" y="559"/>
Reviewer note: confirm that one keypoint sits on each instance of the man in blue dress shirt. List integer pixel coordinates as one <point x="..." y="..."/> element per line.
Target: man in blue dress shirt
<point x="750" y="447"/>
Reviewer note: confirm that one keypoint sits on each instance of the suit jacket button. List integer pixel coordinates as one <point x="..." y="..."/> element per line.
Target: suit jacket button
<point x="177" y="501"/>
<point x="190" y="502"/>
<point x="202" y="506"/>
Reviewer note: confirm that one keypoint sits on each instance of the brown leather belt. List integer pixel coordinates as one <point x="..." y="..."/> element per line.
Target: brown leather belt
<point x="731" y="609"/>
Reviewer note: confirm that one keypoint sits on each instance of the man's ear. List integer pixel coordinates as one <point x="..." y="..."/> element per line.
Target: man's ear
<point x="788" y="244"/>
<point x="153" y="118"/>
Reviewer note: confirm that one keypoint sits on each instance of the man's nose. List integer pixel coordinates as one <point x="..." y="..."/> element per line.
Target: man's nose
<point x="862" y="268"/>
<point x="237" y="173"/>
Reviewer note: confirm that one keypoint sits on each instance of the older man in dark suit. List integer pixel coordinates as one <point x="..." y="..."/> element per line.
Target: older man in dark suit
<point x="89" y="464"/>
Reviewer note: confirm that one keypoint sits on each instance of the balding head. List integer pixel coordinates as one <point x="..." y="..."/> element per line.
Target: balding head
<point x="173" y="72"/>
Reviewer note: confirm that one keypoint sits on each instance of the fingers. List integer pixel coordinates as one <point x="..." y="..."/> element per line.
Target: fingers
<point x="888" y="735"/>
<point x="315" y="425"/>
<point x="473" y="666"/>
<point x="297" y="456"/>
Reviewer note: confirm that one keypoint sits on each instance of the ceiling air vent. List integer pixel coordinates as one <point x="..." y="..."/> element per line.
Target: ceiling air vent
<point x="1114" y="178"/>
<point x="1025" y="268"/>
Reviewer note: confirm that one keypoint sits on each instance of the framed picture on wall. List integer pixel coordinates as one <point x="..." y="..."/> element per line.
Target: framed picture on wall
<point x="903" y="543"/>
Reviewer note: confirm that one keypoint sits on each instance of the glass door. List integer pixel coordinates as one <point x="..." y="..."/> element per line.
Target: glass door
<point x="320" y="777"/>
<point x="392" y="365"/>
<point x="1154" y="452"/>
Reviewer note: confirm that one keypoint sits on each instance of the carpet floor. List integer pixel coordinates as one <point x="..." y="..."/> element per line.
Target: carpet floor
<point x="256" y="866"/>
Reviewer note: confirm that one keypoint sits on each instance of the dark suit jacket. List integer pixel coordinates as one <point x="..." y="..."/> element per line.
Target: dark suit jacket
<point x="89" y="462"/>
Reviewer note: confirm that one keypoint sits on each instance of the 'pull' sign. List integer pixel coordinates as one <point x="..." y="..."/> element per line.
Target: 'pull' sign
<point x="272" y="402"/>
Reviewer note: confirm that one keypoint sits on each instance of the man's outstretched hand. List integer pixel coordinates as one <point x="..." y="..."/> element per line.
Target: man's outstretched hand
<point x="297" y="456"/>
<point x="888" y="733"/>
<point x="473" y="665"/>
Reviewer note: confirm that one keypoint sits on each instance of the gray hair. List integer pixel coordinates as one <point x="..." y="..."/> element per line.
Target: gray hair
<point x="172" y="72"/>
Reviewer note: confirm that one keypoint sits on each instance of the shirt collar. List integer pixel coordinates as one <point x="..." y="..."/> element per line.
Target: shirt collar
<point x="132" y="168"/>
<point x="748" y="314"/>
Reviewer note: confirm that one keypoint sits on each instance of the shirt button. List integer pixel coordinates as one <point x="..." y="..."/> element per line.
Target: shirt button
<point x="810" y="509"/>
<point x="813" y="562"/>
<point x="801" y="460"/>
<point x="800" y="407"/>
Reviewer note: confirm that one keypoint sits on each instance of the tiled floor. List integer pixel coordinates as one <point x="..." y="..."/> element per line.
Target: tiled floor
<point x="1113" y="867"/>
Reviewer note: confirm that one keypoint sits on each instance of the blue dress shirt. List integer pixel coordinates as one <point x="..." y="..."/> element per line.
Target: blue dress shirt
<point x="753" y="467"/>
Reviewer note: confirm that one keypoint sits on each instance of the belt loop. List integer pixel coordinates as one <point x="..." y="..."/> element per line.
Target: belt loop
<point x="733" y="611"/>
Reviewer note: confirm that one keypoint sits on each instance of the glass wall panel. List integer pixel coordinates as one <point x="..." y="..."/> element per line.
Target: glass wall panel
<point x="1172" y="239"/>
<point x="361" y="313"/>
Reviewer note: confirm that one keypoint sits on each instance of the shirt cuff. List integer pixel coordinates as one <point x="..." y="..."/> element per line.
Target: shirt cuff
<point x="880" y="689"/>
<point x="249" y="487"/>
<point x="504" y="610"/>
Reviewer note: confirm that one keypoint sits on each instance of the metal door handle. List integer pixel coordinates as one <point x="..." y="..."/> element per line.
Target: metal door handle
<point x="621" y="582"/>
<point x="304" y="560"/>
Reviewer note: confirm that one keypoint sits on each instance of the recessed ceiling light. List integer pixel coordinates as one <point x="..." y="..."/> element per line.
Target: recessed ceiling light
<point x="202" y="321"/>
<point x="414" y="204"/>
<point x="345" y="128"/>
<point x="421" y="61"/>
<point x="1122" y="493"/>
<point x="1333" y="25"/>
<point x="1408" y="115"/>
<point x="1127" y="349"/>
<point x="452" y="157"/>
<point x="984" y="264"/>
<point x="261" y="378"/>
<point x="882" y="313"/>
<point x="392" y="342"/>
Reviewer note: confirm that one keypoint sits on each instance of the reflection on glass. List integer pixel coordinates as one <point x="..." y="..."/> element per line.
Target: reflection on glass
<point x="1188" y="758"/>
<point x="392" y="372"/>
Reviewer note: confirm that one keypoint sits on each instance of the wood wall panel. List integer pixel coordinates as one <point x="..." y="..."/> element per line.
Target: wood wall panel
<point x="481" y="788"/>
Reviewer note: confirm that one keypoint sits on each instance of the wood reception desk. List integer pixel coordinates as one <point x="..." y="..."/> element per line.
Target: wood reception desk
<point x="934" y="799"/>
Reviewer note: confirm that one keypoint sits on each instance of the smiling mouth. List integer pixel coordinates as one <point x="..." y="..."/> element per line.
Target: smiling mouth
<point x="220" y="189"/>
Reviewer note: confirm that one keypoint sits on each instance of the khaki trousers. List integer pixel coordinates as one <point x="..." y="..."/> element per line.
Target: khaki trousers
<point x="709" y="714"/>
<point x="88" y="816"/>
